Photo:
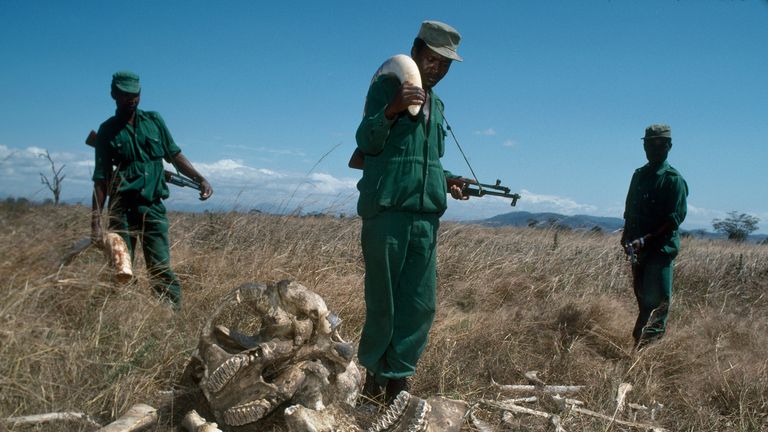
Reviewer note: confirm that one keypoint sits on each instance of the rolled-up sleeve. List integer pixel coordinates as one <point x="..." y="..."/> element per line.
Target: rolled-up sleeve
<point x="679" y="197"/>
<point x="374" y="129"/>
<point x="102" y="169"/>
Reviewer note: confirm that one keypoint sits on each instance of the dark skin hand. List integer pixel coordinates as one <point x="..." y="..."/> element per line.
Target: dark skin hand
<point x="185" y="166"/>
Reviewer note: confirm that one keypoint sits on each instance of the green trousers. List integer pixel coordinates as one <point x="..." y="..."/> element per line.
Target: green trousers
<point x="652" y="281"/>
<point x="400" y="251"/>
<point x="148" y="221"/>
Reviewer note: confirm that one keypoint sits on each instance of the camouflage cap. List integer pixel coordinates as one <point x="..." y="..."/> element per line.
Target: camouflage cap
<point x="658" y="131"/>
<point x="126" y="81"/>
<point x="441" y="38"/>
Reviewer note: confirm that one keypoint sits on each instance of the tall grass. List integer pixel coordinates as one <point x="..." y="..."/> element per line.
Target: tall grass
<point x="510" y="300"/>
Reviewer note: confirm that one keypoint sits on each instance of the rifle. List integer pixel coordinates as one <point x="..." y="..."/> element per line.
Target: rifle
<point x="482" y="189"/>
<point x="631" y="253"/>
<point x="170" y="177"/>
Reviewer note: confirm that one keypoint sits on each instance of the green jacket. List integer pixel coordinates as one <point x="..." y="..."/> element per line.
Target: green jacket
<point x="402" y="168"/>
<point x="137" y="152"/>
<point x="656" y="196"/>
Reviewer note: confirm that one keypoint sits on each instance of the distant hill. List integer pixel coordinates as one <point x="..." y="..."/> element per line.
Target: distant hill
<point x="545" y="220"/>
<point x="585" y="222"/>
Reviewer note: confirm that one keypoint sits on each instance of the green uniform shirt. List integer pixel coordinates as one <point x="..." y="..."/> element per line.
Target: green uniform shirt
<point x="656" y="196"/>
<point x="402" y="168"/>
<point x="137" y="151"/>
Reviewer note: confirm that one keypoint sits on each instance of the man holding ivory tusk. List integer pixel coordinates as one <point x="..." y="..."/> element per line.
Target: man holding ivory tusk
<point x="402" y="196"/>
<point x="130" y="148"/>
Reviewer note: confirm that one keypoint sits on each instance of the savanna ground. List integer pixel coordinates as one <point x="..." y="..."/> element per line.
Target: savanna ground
<point x="511" y="300"/>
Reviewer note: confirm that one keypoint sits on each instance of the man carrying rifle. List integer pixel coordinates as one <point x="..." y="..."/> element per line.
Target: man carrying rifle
<point x="402" y="196"/>
<point x="655" y="208"/>
<point x="130" y="148"/>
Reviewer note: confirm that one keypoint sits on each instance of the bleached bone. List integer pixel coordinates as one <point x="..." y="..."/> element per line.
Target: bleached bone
<point x="301" y="419"/>
<point x="445" y="415"/>
<point x="405" y="69"/>
<point x="193" y="422"/>
<point x="138" y="417"/>
<point x="480" y="425"/>
<point x="591" y="413"/>
<point x="533" y="378"/>
<point x="621" y="395"/>
<point x="557" y="389"/>
<point x="51" y="417"/>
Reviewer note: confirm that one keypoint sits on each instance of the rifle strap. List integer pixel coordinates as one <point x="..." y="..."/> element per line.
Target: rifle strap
<point x="450" y="129"/>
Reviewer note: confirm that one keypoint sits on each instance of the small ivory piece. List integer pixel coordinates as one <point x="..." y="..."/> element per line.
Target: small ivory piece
<point x="138" y="417"/>
<point x="405" y="69"/>
<point x="193" y="422"/>
<point x="117" y="251"/>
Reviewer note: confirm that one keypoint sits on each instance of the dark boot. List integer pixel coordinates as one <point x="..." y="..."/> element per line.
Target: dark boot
<point x="394" y="387"/>
<point x="372" y="391"/>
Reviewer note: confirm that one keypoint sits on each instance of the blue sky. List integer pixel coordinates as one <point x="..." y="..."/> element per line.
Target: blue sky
<point x="265" y="97"/>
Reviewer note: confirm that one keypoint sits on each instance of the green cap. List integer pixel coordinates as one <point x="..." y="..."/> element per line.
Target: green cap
<point x="658" y="131"/>
<point x="441" y="38"/>
<point x="126" y="81"/>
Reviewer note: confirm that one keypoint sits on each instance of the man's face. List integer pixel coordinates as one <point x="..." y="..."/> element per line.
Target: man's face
<point x="432" y="66"/>
<point x="657" y="149"/>
<point x="126" y="102"/>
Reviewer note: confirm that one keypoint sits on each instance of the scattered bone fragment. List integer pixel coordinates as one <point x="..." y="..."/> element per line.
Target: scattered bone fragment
<point x="621" y="396"/>
<point x="138" y="417"/>
<point x="518" y="388"/>
<point x="301" y="419"/>
<point x="193" y="422"/>
<point x="532" y="377"/>
<point x="554" y="420"/>
<point x="479" y="424"/>
<point x="643" y="426"/>
<point x="37" y="419"/>
<point x="445" y="415"/>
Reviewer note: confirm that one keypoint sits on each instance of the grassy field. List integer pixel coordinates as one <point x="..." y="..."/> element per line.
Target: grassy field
<point x="510" y="301"/>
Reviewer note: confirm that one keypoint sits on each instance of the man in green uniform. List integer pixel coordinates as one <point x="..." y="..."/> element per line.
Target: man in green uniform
<point x="130" y="149"/>
<point x="655" y="208"/>
<point x="402" y="196"/>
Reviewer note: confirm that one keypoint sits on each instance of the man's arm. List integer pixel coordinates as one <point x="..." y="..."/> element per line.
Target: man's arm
<point x="185" y="166"/>
<point x="99" y="198"/>
<point x="383" y="105"/>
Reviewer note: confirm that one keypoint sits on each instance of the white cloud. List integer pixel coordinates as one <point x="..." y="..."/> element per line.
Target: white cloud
<point x="509" y="143"/>
<point x="486" y="132"/>
<point x="554" y="203"/>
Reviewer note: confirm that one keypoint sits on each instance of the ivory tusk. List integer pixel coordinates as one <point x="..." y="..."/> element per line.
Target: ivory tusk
<point x="117" y="251"/>
<point x="405" y="69"/>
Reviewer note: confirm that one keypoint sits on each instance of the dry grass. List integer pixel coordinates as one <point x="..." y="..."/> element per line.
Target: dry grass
<point x="510" y="300"/>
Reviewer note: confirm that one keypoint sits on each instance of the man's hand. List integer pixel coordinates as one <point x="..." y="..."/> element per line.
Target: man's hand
<point x="456" y="187"/>
<point x="407" y="95"/>
<point x="205" y="190"/>
<point x="97" y="235"/>
<point x="636" y="244"/>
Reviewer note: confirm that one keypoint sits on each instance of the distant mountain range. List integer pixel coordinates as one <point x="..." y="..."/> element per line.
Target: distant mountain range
<point x="546" y="220"/>
<point x="582" y="222"/>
